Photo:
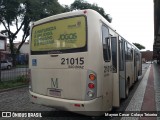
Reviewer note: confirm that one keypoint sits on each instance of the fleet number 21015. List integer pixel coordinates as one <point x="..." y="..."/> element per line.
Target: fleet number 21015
<point x="72" y="61"/>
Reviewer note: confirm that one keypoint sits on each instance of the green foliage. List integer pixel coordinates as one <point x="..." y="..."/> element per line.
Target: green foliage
<point x="81" y="4"/>
<point x="66" y="8"/>
<point x="19" y="81"/>
<point x="139" y="46"/>
<point x="20" y="13"/>
<point x="9" y="9"/>
<point x="21" y="78"/>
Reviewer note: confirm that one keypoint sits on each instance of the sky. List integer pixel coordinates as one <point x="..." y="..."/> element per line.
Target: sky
<point x="132" y="19"/>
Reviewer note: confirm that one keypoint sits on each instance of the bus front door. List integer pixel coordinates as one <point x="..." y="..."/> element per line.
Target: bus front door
<point x="122" y="70"/>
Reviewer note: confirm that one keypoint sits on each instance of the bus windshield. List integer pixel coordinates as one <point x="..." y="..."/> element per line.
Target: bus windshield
<point x="59" y="36"/>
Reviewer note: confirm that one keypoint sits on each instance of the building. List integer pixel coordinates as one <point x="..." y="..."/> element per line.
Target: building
<point x="156" y="44"/>
<point x="3" y="52"/>
<point x="147" y="56"/>
<point x="24" y="49"/>
<point x="22" y="57"/>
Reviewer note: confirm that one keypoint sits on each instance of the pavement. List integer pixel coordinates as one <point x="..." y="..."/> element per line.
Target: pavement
<point x="145" y="103"/>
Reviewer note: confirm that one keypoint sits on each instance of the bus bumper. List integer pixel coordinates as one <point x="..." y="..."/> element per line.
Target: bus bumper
<point x="91" y="107"/>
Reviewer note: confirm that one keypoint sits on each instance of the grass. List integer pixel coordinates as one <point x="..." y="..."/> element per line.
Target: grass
<point x="19" y="81"/>
<point x="21" y="66"/>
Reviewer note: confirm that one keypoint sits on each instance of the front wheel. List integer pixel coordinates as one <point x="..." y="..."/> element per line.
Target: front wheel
<point x="127" y="91"/>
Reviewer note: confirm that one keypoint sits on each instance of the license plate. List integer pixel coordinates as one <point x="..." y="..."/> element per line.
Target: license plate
<point x="55" y="92"/>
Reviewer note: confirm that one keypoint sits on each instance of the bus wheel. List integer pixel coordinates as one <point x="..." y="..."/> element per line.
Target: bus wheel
<point x="127" y="91"/>
<point x="137" y="76"/>
<point x="136" y="79"/>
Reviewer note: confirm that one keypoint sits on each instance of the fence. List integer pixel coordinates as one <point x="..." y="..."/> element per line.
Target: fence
<point x="20" y="72"/>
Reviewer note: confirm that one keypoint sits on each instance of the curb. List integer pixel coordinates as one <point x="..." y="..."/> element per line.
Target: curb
<point x="8" y="89"/>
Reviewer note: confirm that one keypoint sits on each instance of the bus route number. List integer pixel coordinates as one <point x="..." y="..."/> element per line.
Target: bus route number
<point x="72" y="61"/>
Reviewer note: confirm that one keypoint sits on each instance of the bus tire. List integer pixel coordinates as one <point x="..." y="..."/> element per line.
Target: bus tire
<point x="137" y="76"/>
<point x="136" y="79"/>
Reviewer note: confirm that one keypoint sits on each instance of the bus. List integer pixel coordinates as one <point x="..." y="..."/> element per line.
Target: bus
<point x="79" y="63"/>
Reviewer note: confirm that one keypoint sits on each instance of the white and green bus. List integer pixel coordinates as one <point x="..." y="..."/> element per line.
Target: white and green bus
<point x="79" y="63"/>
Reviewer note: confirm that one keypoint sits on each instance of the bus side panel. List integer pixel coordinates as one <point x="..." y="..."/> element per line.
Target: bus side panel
<point x="122" y="68"/>
<point x="140" y="64"/>
<point x="129" y="73"/>
<point x="94" y="49"/>
<point x="116" y="97"/>
<point x="107" y="84"/>
<point x="115" y="64"/>
<point x="106" y="71"/>
<point x="135" y="66"/>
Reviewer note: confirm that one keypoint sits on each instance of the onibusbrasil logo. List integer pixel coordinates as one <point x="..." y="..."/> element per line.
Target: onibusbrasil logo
<point x="21" y="114"/>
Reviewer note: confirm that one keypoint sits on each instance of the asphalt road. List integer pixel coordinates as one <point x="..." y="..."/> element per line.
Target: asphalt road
<point x="18" y="100"/>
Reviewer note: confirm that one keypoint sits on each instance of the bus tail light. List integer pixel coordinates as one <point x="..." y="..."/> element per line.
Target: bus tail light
<point x="91" y="90"/>
<point x="91" y="85"/>
<point x="77" y="105"/>
<point x="34" y="96"/>
<point x="92" y="76"/>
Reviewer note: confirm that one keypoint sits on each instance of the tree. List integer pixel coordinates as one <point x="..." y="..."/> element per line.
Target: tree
<point x="20" y="13"/>
<point x="38" y="9"/>
<point x="10" y="10"/>
<point x="81" y="4"/>
<point x="139" y="46"/>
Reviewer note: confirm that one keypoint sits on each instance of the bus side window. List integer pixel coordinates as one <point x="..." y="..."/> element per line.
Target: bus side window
<point x="114" y="53"/>
<point x="121" y="59"/>
<point x="108" y="48"/>
<point x="137" y="57"/>
<point x="106" y="44"/>
<point x="128" y="52"/>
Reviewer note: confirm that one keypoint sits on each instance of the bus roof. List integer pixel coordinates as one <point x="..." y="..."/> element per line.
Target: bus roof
<point x="79" y="12"/>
